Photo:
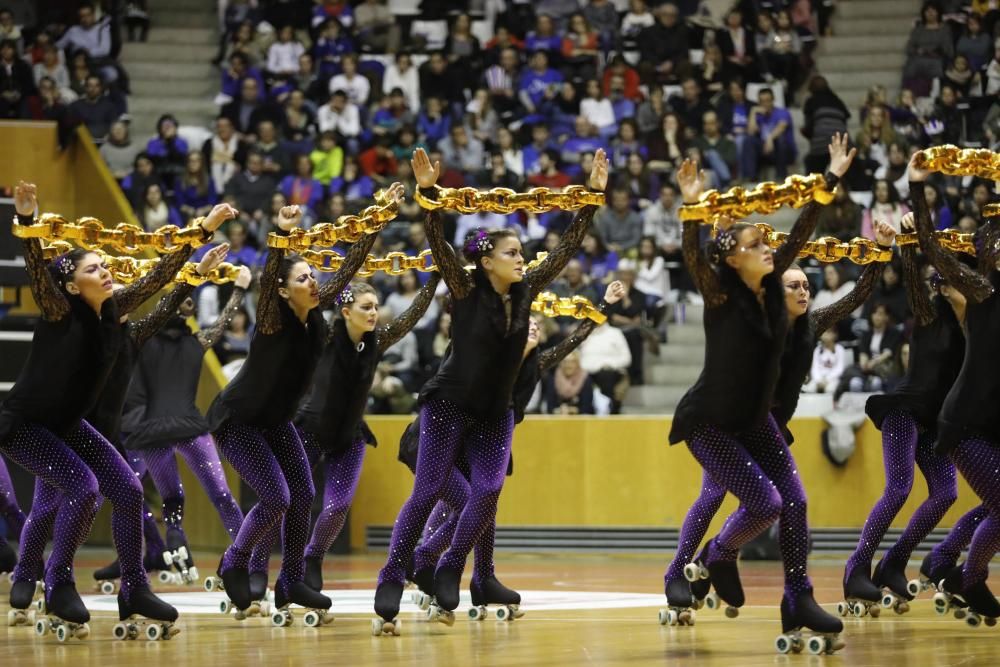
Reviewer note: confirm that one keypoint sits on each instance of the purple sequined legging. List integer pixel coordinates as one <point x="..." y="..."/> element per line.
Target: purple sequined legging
<point x="695" y="525"/>
<point x="273" y="463"/>
<point x="902" y="445"/>
<point x="200" y="455"/>
<point x="444" y="430"/>
<point x="83" y="466"/>
<point x="950" y="548"/>
<point x="44" y="507"/>
<point x="342" y="471"/>
<point x="758" y="468"/>
<point x="979" y="460"/>
<point x="10" y="512"/>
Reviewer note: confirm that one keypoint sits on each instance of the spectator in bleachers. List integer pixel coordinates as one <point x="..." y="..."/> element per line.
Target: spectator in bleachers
<point x="627" y="316"/>
<point x="341" y="116"/>
<point x="461" y="151"/>
<point x="403" y="75"/>
<point x="433" y="123"/>
<point x="247" y="42"/>
<point x="973" y="203"/>
<point x="302" y="188"/>
<point x="95" y="109"/>
<point x="782" y="52"/>
<point x="450" y="177"/>
<point x="603" y="17"/>
<point x="392" y="114"/>
<point x="221" y="153"/>
<point x="496" y="175"/>
<point x="52" y="66"/>
<point x="907" y="118"/>
<point x="829" y="362"/>
<point x="134" y="184"/>
<point x="626" y="143"/>
<point x="664" y="46"/>
<point x="580" y="50"/>
<point x="481" y="120"/>
<point x="406" y="142"/>
<point x="155" y="212"/>
<point x="356" y="85"/>
<point x="575" y="282"/>
<point x="239" y="253"/>
<point x="9" y="30"/>
<point x="619" y="67"/>
<point x="623" y="106"/>
<point x="886" y="206"/>
<point x="252" y="187"/>
<point x="468" y="222"/>
<point x="501" y="80"/>
<point x="929" y="46"/>
<point x="652" y="277"/>
<point x="890" y="293"/>
<point x="502" y="39"/>
<point x="79" y="70"/>
<point x="563" y="111"/>
<point x="548" y="174"/>
<point x="649" y="115"/>
<point x="333" y="43"/>
<point x="92" y="37"/>
<point x="233" y="76"/>
<point x="596" y="258"/>
<point x="877" y="355"/>
<point x="711" y="73"/>
<point x="661" y="222"/>
<point x="636" y="19"/>
<point x="640" y="182"/>
<point x="236" y="13"/>
<point x="668" y="145"/>
<point x="436" y="80"/>
<point x="993" y="72"/>
<point x="598" y="110"/>
<point x="606" y="358"/>
<point x="825" y="115"/>
<point x="299" y="125"/>
<point x="540" y="142"/>
<point x="277" y="159"/>
<point x="168" y="150"/>
<point x="379" y="163"/>
<point x="339" y="10"/>
<point x="17" y="83"/>
<point x="235" y="343"/>
<point x="513" y="155"/>
<point x="119" y="151"/>
<point x="940" y="211"/>
<point x="949" y="117"/>
<point x="961" y="77"/>
<point x="406" y="289"/>
<point x="463" y="52"/>
<point x="569" y="389"/>
<point x="770" y="138"/>
<point x="356" y="187"/>
<point x="876" y="135"/>
<point x="719" y="151"/>
<point x="841" y="218"/>
<point x="375" y="27"/>
<point x="250" y="109"/>
<point x="690" y="106"/>
<point x="544" y="37"/>
<point x="739" y="48"/>
<point x="583" y="140"/>
<point x="195" y="194"/>
<point x="539" y="83"/>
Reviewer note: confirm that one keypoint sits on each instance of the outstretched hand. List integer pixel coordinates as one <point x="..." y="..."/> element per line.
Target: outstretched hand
<point x="212" y="259"/>
<point x="884" y="233"/>
<point x="691" y="181"/>
<point x="243" y="278"/>
<point x="425" y="174"/>
<point x="25" y="198"/>
<point x="615" y="292"/>
<point x="219" y="214"/>
<point x="395" y="193"/>
<point x="907" y="222"/>
<point x="915" y="173"/>
<point x="840" y="156"/>
<point x="599" y="172"/>
<point x="289" y="217"/>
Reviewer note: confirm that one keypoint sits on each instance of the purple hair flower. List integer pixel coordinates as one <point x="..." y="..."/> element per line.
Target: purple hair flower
<point x="345" y="298"/>
<point x="480" y="244"/>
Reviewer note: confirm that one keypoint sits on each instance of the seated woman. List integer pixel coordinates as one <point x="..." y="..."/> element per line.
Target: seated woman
<point x="569" y="390"/>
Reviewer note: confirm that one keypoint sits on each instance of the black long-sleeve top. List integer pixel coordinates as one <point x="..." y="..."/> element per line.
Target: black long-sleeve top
<point x="801" y="342"/>
<point x="487" y="351"/>
<point x="168" y="371"/>
<point x="744" y="341"/>
<point x="283" y="352"/>
<point x="73" y="348"/>
<point x="968" y="409"/>
<point x="334" y="410"/>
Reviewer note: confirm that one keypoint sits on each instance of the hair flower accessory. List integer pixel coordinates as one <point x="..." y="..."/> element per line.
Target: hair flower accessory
<point x="66" y="266"/>
<point x="479" y="244"/>
<point x="346" y="297"/>
<point x="725" y="241"/>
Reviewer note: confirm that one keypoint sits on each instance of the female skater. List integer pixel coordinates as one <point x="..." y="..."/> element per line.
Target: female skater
<point x="440" y="528"/>
<point x="12" y="519"/>
<point x="907" y="417"/>
<point x="75" y="344"/>
<point x="252" y="416"/>
<point x="168" y="372"/>
<point x="465" y="408"/>
<point x="968" y="426"/>
<point x="725" y="418"/>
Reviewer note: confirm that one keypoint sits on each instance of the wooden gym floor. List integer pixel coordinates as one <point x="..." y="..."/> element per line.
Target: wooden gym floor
<point x="599" y="610"/>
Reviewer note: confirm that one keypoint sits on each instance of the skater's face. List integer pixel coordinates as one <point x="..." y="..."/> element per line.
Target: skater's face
<point x="505" y="263"/>
<point x="362" y="315"/>
<point x="753" y="257"/>
<point x="796" y="292"/>
<point x="91" y="280"/>
<point x="532" y="341"/>
<point x="299" y="288"/>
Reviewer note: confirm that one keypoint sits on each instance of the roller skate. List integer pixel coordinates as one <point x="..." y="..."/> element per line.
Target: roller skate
<point x="892" y="580"/>
<point x="8" y="561"/>
<point x="387" y="597"/>
<point x="314" y="573"/>
<point x="446" y="596"/>
<point x="975" y="604"/>
<point x="66" y="616"/>
<point x="180" y="569"/>
<point x="260" y="596"/>
<point x="423" y="597"/>
<point x="491" y="591"/>
<point x="680" y="603"/>
<point x="984" y="609"/>
<point x="930" y="576"/>
<point x="804" y="613"/>
<point x="701" y="591"/>
<point x="107" y="578"/>
<point x="317" y="605"/>
<point x="26" y="597"/>
<point x="144" y="614"/>
<point x="723" y="575"/>
<point x="861" y="595"/>
<point x="235" y="583"/>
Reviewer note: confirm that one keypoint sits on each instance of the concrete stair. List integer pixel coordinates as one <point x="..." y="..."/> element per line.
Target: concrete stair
<point x="866" y="49"/>
<point x="172" y="72"/>
<point x="673" y="372"/>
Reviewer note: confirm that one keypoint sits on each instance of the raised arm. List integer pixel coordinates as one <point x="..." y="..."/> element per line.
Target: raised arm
<point x="391" y="333"/>
<point x="916" y="291"/>
<point x="706" y="280"/>
<point x="211" y="335"/>
<point x="969" y="282"/>
<point x="550" y="268"/>
<point x="50" y="299"/>
<point x="840" y="160"/>
<point x="552" y="356"/>
<point x="268" y="311"/>
<point x="144" y="329"/>
<point x="452" y="271"/>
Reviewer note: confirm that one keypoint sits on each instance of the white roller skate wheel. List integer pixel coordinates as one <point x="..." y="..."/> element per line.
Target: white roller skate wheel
<point x="225" y="606"/>
<point x="783" y="644"/>
<point x="62" y="634"/>
<point x="107" y="587"/>
<point x="842" y="609"/>
<point x="940" y="603"/>
<point x="712" y="601"/>
<point x="662" y="616"/>
<point x="816" y="645"/>
<point x="732" y="612"/>
<point x="973" y="620"/>
<point x="193" y="574"/>
<point x="857" y="609"/>
<point x="164" y="577"/>
<point x="12" y="618"/>
<point x="153" y="632"/>
<point x="42" y="627"/>
<point x="474" y="614"/>
<point x="182" y="551"/>
<point x="914" y="588"/>
<point x="376" y="627"/>
<point x="83" y="631"/>
<point x="888" y="600"/>
<point x="503" y="614"/>
<point x="311" y="619"/>
<point x="692" y="572"/>
<point x="210" y="584"/>
<point x="119" y="631"/>
<point x="432" y="613"/>
<point x="672" y="617"/>
<point x="168" y="559"/>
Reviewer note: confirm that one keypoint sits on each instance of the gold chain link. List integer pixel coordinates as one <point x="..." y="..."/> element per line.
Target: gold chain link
<point x="550" y="305"/>
<point x="393" y="264"/>
<point x="506" y="201"/>
<point x="948" y="239"/>
<point x="90" y="233"/>
<point x="766" y="198"/>
<point x="349" y="228"/>
<point x="831" y="249"/>
<point x="126" y="270"/>
<point x="955" y="161"/>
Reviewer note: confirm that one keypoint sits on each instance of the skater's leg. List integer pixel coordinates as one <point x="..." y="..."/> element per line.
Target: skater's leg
<point x="985" y="543"/>
<point x="454" y="496"/>
<point x="695" y="525"/>
<point x="162" y="465"/>
<point x="942" y="491"/>
<point x="899" y="445"/>
<point x="150" y="531"/>
<point x="442" y="427"/>
<point x="297" y="474"/>
<point x="44" y="508"/>
<point x="343" y="471"/>
<point x="950" y="549"/>
<point x="250" y="454"/>
<point x="260" y="559"/>
<point x="978" y="460"/>
<point x="202" y="458"/>
<point x="10" y="511"/>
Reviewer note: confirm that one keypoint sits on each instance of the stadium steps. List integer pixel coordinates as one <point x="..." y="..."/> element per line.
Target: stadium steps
<point x="171" y="72"/>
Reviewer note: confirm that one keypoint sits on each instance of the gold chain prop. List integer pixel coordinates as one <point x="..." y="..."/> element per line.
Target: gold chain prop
<point x="955" y="161"/>
<point x="90" y="233"/>
<point x="393" y="264"/>
<point x="766" y="198"/>
<point x="348" y="228"/>
<point x="830" y="249"/>
<point x="991" y="211"/>
<point x="948" y="239"/>
<point x="550" y="305"/>
<point x="126" y="270"/>
<point x="506" y="201"/>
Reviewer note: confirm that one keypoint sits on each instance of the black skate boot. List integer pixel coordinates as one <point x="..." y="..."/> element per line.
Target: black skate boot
<point x="301" y="594"/>
<point x="723" y="575"/>
<point x="446" y="585"/>
<point x="930" y="575"/>
<point x="803" y="613"/>
<point x="701" y="591"/>
<point x="314" y="573"/>
<point x="983" y="605"/>
<point x="387" y="597"/>
<point x="949" y="597"/>
<point x="861" y="595"/>
<point x="66" y="614"/>
<point x="22" y="595"/>
<point x="258" y="585"/>
<point x="491" y="592"/>
<point x="892" y="580"/>
<point x="107" y="578"/>
<point x="8" y="558"/>
<point x="423" y="597"/>
<point x="680" y="603"/>
<point x="143" y="612"/>
<point x="236" y="584"/>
